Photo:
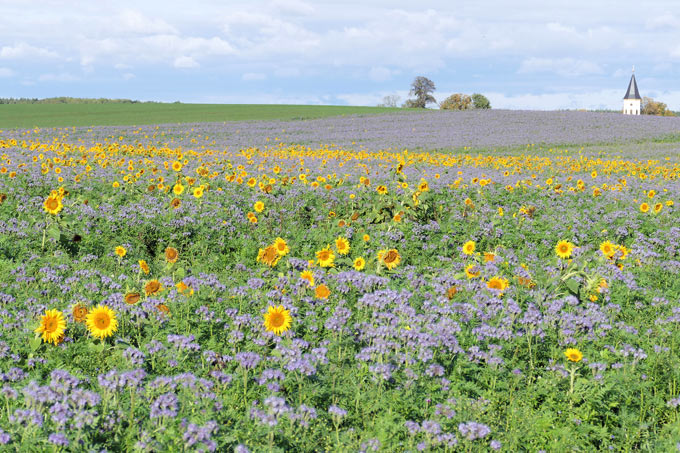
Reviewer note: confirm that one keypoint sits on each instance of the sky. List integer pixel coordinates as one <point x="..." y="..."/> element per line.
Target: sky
<point x="541" y="55"/>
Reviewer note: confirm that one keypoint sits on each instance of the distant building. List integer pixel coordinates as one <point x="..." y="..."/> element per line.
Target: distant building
<point x="632" y="99"/>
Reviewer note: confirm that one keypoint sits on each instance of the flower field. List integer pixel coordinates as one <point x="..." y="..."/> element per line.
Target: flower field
<point x="315" y="286"/>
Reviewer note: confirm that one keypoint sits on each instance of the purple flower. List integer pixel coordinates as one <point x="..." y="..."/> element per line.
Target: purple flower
<point x="164" y="406"/>
<point x="474" y="430"/>
<point x="58" y="439"/>
<point x="337" y="412"/>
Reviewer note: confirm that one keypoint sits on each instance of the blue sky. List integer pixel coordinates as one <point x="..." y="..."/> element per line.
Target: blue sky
<point x="527" y="54"/>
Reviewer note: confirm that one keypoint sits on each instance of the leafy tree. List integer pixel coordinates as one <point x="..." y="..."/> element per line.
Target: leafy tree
<point x="479" y="101"/>
<point x="652" y="107"/>
<point x="421" y="88"/>
<point x="458" y="101"/>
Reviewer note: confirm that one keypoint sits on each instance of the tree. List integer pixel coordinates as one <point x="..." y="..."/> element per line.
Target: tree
<point x="421" y="88"/>
<point x="479" y="101"/>
<point x="652" y="107"/>
<point x="391" y="100"/>
<point x="458" y="101"/>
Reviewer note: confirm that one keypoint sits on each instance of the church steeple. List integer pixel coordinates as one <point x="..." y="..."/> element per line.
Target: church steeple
<point x="632" y="100"/>
<point x="632" y="92"/>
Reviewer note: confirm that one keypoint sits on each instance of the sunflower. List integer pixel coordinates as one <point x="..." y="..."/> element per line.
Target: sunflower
<point x="258" y="206"/>
<point x="451" y="292"/>
<point x="322" y="292"/>
<point x="132" y="298"/>
<point x="163" y="309"/>
<point x="308" y="276"/>
<point x="469" y="248"/>
<point x="423" y="186"/>
<point x="608" y="249"/>
<point x="489" y="257"/>
<point x="497" y="283"/>
<point x="563" y="249"/>
<point x="342" y="245"/>
<point x="651" y="194"/>
<point x="382" y="190"/>
<point x="390" y="258"/>
<point x="472" y="271"/>
<point x="120" y="251"/>
<point x="178" y="189"/>
<point x="325" y="257"/>
<point x="52" y="205"/>
<point x="152" y="287"/>
<point x="52" y="326"/>
<point x="175" y="203"/>
<point x="252" y="219"/>
<point x="144" y="267"/>
<point x="101" y="322"/>
<point x="644" y="207"/>
<point x="198" y="192"/>
<point x="269" y="256"/>
<point x="658" y="207"/>
<point x="573" y="354"/>
<point x="176" y="165"/>
<point x="281" y="246"/>
<point x="277" y="319"/>
<point x="366" y="238"/>
<point x="359" y="263"/>
<point x="171" y="255"/>
<point x="79" y="312"/>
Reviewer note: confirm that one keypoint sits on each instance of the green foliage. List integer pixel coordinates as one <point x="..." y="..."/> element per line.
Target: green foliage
<point x="652" y="107"/>
<point x="479" y="101"/>
<point x="422" y="89"/>
<point x="457" y="101"/>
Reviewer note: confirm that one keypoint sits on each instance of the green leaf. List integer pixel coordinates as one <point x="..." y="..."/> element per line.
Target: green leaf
<point x="35" y="343"/>
<point x="573" y="285"/>
<point x="180" y="273"/>
<point x="54" y="232"/>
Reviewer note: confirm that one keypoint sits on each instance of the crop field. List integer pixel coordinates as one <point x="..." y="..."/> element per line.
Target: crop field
<point x="435" y="281"/>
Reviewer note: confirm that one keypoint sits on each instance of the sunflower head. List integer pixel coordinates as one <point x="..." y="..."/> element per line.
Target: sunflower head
<point x="101" y="322"/>
<point x="52" y="326"/>
<point x="325" y="257"/>
<point x="342" y="245"/>
<point x="144" y="266"/>
<point x="322" y="292"/>
<point x="269" y="256"/>
<point x="277" y="319"/>
<point x="152" y="287"/>
<point x="171" y="255"/>
<point x="308" y="276"/>
<point x="564" y="248"/>
<point x="359" y="263"/>
<point x="120" y="251"/>
<point x="52" y="204"/>
<point x="390" y="258"/>
<point x="573" y="355"/>
<point x="469" y="248"/>
<point x="79" y="312"/>
<point x="281" y="246"/>
<point x="497" y="283"/>
<point x="132" y="298"/>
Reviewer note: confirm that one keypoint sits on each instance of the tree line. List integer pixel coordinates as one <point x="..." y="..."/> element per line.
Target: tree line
<point x="422" y="89"/>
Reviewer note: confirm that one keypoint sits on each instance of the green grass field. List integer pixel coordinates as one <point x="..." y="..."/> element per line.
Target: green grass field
<point x="60" y="115"/>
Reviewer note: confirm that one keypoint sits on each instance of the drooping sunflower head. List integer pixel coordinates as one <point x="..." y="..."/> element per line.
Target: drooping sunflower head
<point x="390" y="258"/>
<point x="132" y="298"/>
<point x="152" y="287"/>
<point x="277" y="319"/>
<point x="176" y="203"/>
<point x="102" y="322"/>
<point x="269" y="256"/>
<point x="342" y="245"/>
<point x="573" y="355"/>
<point x="451" y="292"/>
<point x="469" y="247"/>
<point x="563" y="249"/>
<point x="171" y="255"/>
<point x="79" y="312"/>
<point x="52" y="326"/>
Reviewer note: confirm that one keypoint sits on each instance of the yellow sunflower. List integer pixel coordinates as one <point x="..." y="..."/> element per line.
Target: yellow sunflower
<point x="472" y="271"/>
<point x="644" y="207"/>
<point x="52" y="205"/>
<point x="269" y="256"/>
<point x="469" y="247"/>
<point x="277" y="319"/>
<point x="176" y="165"/>
<point x="497" y="283"/>
<point x="281" y="246"/>
<point x="564" y="248"/>
<point x="325" y="257"/>
<point x="359" y="263"/>
<point x="573" y="354"/>
<point x="258" y="206"/>
<point x="152" y="287"/>
<point x="52" y="326"/>
<point x="308" y="276"/>
<point x="390" y="258"/>
<point x="171" y="255"/>
<point x="198" y="192"/>
<point x="143" y="266"/>
<point x="342" y="245"/>
<point x="608" y="249"/>
<point x="178" y="189"/>
<point x="322" y="292"/>
<point x="120" y="251"/>
<point x="101" y="322"/>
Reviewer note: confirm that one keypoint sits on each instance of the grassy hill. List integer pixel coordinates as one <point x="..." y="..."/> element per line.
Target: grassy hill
<point x="61" y="115"/>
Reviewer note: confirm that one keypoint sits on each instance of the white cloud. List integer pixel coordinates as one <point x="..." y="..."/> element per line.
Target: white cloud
<point x="185" y="62"/>
<point x="253" y="76"/>
<point x="24" y="50"/>
<point x="131" y="21"/>
<point x="293" y="7"/>
<point x="128" y="76"/>
<point x="565" y="67"/>
<point x="6" y="72"/>
<point x="663" y="21"/>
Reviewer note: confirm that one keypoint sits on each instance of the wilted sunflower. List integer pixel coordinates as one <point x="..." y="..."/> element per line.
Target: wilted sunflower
<point x="171" y="255"/>
<point x="452" y="291"/>
<point x="281" y="246"/>
<point x="144" y="267"/>
<point x="564" y="248"/>
<point x="175" y="203"/>
<point x="325" y="257"/>
<point x="101" y="322"/>
<point x="152" y="287"/>
<point x="322" y="292"/>
<point x="79" y="312"/>
<point x="269" y="256"/>
<point x="489" y="257"/>
<point x="52" y="326"/>
<point x="277" y="319"/>
<point x="469" y="247"/>
<point x="359" y="263"/>
<point x="342" y="245"/>
<point x="53" y="205"/>
<point x="390" y="258"/>
<point x="163" y="309"/>
<point x="573" y="354"/>
<point x="132" y="298"/>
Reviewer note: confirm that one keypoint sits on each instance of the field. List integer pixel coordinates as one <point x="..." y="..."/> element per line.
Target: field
<point x="59" y="115"/>
<point x="417" y="281"/>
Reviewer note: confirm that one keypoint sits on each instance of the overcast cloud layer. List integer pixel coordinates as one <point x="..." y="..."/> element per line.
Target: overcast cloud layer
<point x="530" y="54"/>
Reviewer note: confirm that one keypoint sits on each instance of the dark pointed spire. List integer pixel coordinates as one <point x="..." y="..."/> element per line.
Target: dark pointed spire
<point x="632" y="92"/>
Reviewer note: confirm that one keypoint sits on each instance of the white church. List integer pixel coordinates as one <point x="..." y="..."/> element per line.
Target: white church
<point x="632" y="99"/>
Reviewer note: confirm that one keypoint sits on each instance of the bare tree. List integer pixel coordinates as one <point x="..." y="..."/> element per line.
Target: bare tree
<point x="391" y="100"/>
